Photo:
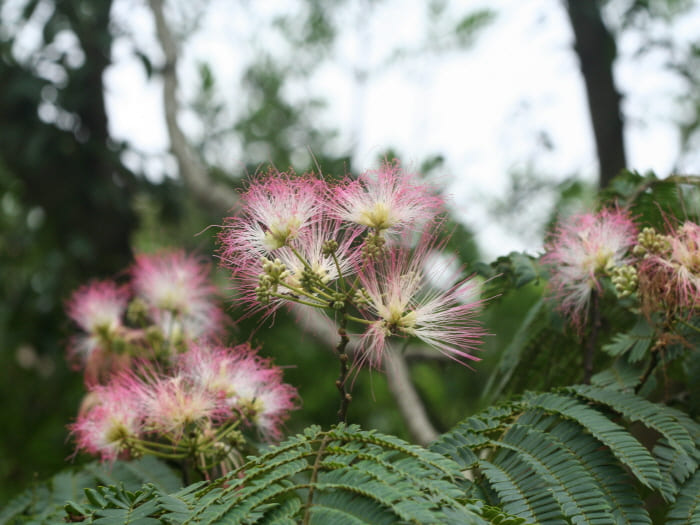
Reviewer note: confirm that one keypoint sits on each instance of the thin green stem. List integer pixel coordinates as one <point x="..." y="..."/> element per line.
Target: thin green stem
<point x="167" y="446"/>
<point x="686" y="323"/>
<point x="159" y="454"/>
<point x="357" y="319"/>
<point x="300" y="301"/>
<point x="308" y="267"/>
<point x="341" y="278"/>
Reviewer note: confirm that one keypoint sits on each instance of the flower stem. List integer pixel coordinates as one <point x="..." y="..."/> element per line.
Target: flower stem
<point x="357" y="319"/>
<point x="345" y="396"/>
<point x="300" y="301"/>
<point x="649" y="370"/>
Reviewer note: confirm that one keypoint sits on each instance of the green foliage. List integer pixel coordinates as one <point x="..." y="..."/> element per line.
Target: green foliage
<point x="45" y="502"/>
<point x="574" y="456"/>
<point x="343" y="475"/>
<point x="637" y="341"/>
<point x="581" y="454"/>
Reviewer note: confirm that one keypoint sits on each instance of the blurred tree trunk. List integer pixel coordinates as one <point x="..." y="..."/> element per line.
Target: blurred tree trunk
<point x="71" y="219"/>
<point x="596" y="50"/>
<point x="68" y="165"/>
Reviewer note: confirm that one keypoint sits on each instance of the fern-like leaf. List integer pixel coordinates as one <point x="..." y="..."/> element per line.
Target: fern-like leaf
<point x="686" y="509"/>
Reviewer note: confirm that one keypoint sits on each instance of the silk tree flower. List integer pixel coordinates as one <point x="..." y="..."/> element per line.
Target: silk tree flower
<point x="580" y="251"/>
<point x="385" y="200"/>
<point x="308" y="262"/>
<point x="97" y="308"/>
<point x="274" y="211"/>
<point x="400" y="300"/>
<point x="314" y="248"/>
<point x="180" y="297"/>
<point x="173" y="404"/>
<point x="672" y="275"/>
<point x="248" y="384"/>
<point x="105" y="428"/>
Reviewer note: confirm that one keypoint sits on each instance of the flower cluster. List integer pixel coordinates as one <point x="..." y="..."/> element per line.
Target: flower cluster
<point x="205" y="402"/>
<point x="158" y="381"/>
<point x="669" y="268"/>
<point x="346" y="247"/>
<point x="661" y="271"/>
<point x="581" y="251"/>
<point x="168" y="302"/>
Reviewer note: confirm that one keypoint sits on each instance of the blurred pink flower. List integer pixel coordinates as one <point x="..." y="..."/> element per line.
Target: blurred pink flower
<point x="385" y="200"/>
<point x="581" y="250"/>
<point x="402" y="301"/>
<point x="673" y="275"/>
<point x="98" y="305"/>
<point x="248" y="384"/>
<point x="180" y="296"/>
<point x="105" y="428"/>
<point x="97" y="308"/>
<point x="173" y="404"/>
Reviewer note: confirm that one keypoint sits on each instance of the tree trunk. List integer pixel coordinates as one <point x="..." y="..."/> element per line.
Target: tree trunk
<point x="595" y="47"/>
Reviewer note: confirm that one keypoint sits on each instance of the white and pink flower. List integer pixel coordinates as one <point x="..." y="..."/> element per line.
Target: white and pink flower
<point x="97" y="308"/>
<point x="672" y="276"/>
<point x="385" y="200"/>
<point x="248" y="384"/>
<point x="179" y="294"/>
<point x="581" y="250"/>
<point x="402" y="301"/>
<point x="275" y="210"/>
<point x="106" y="427"/>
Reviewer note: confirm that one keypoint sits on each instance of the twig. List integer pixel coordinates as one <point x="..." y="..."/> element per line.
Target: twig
<point x="401" y="386"/>
<point x="345" y="396"/>
<point x="650" y="369"/>
<point x="191" y="169"/>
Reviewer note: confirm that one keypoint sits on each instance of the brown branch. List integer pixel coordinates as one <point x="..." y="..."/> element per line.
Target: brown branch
<point x="401" y="386"/>
<point x="410" y="405"/>
<point x="340" y="383"/>
<point x="191" y="169"/>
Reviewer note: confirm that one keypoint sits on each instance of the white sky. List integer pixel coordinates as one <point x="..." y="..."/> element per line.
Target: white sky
<point x="484" y="109"/>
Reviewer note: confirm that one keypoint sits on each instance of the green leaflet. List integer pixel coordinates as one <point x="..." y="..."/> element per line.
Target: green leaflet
<point x="567" y="457"/>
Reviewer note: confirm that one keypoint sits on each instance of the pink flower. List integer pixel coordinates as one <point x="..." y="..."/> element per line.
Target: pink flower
<point x="402" y="301"/>
<point x="97" y="308"/>
<point x="673" y="275"/>
<point x="315" y="263"/>
<point x="385" y="200"/>
<point x="171" y="405"/>
<point x="275" y="210"/>
<point x="106" y="427"/>
<point x="179" y="293"/>
<point x="581" y="250"/>
<point x="98" y="305"/>
<point x="246" y="382"/>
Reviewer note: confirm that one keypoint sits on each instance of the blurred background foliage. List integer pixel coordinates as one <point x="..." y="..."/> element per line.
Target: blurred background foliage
<point x="70" y="210"/>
